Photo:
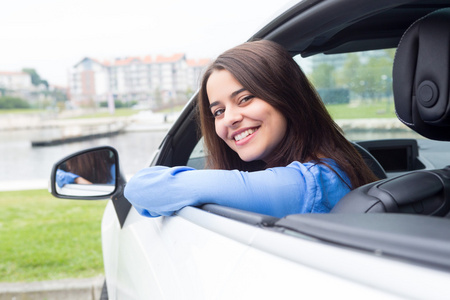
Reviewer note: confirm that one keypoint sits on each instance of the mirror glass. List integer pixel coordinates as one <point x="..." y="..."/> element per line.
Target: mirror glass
<point x="91" y="173"/>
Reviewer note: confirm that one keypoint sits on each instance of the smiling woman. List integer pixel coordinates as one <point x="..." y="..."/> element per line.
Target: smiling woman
<point x="251" y="127"/>
<point x="258" y="113"/>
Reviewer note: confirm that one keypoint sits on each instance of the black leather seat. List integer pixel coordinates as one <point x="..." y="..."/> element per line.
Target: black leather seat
<point x="421" y="94"/>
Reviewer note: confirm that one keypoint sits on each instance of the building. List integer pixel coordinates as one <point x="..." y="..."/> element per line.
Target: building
<point x="195" y="71"/>
<point x="88" y="79"/>
<point x="15" y="81"/>
<point x="151" y="81"/>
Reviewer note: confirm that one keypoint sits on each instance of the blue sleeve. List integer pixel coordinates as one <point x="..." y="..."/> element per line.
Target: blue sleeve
<point x="279" y="191"/>
<point x="63" y="177"/>
<point x="113" y="174"/>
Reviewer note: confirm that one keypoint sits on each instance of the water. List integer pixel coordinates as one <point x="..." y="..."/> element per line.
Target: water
<point x="20" y="161"/>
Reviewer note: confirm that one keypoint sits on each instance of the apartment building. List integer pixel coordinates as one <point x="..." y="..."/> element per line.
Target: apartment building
<point x="195" y="71"/>
<point x="148" y="80"/>
<point x="16" y="81"/>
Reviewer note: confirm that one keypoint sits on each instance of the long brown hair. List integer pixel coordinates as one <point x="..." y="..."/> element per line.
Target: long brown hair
<point x="93" y="166"/>
<point x="267" y="70"/>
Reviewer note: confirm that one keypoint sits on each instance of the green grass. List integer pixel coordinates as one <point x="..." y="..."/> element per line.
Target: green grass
<point x="119" y="112"/>
<point x="362" y="111"/>
<point x="21" y="111"/>
<point x="45" y="238"/>
<point x="171" y="109"/>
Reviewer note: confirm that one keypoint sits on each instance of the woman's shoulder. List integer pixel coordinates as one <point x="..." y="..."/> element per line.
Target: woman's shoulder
<point x="323" y="164"/>
<point x="325" y="168"/>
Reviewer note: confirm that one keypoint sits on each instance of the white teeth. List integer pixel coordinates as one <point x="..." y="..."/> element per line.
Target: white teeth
<point x="244" y="134"/>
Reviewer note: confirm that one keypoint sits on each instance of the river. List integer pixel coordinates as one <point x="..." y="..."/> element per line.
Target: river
<point x="20" y="162"/>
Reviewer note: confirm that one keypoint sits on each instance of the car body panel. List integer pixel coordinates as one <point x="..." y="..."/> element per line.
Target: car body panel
<point x="199" y="255"/>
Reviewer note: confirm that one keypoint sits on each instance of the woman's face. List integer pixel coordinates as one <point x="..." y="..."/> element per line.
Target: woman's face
<point x="249" y="125"/>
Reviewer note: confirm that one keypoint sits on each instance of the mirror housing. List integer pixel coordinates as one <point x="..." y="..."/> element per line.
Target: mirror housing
<point x="90" y="174"/>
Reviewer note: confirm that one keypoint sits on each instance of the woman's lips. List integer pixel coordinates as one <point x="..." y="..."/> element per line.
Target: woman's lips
<point x="245" y="135"/>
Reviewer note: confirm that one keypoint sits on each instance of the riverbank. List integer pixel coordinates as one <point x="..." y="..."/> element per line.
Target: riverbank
<point x="56" y="131"/>
<point x="134" y="152"/>
<point x="71" y="119"/>
<point x="71" y="123"/>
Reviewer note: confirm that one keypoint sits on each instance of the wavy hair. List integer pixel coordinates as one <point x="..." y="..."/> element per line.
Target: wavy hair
<point x="268" y="71"/>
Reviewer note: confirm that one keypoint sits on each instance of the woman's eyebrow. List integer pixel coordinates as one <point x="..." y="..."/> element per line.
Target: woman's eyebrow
<point x="214" y="104"/>
<point x="233" y="94"/>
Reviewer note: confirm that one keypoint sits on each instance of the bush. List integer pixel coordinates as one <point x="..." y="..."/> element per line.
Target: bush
<point x="8" y="102"/>
<point x="119" y="104"/>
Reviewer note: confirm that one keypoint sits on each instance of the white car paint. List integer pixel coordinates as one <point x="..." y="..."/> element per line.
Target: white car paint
<point x="199" y="255"/>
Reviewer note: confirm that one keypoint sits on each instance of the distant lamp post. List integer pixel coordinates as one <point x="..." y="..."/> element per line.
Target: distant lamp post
<point x="111" y="105"/>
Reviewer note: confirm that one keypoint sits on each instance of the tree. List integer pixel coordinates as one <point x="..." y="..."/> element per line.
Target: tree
<point x="323" y="76"/>
<point x="59" y="95"/>
<point x="378" y="77"/>
<point x="36" y="80"/>
<point x="44" y="82"/>
<point x="370" y="76"/>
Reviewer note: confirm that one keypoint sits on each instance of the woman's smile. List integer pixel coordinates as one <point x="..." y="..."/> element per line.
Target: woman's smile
<point x="247" y="124"/>
<point x="245" y="134"/>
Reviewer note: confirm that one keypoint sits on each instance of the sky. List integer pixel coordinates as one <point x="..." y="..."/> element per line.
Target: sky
<point x="53" y="35"/>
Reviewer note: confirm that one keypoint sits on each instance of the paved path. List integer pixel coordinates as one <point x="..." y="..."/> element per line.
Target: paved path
<point x="67" y="289"/>
<point x="17" y="185"/>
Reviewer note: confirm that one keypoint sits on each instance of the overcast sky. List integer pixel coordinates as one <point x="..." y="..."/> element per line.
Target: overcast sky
<point x="53" y="35"/>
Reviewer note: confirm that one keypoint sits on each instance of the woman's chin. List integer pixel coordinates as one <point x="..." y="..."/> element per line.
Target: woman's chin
<point x="249" y="158"/>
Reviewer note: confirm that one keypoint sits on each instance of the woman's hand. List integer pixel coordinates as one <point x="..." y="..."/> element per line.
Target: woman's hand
<point x="81" y="180"/>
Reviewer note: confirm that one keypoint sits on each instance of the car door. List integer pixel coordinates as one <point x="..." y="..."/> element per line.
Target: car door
<point x="214" y="252"/>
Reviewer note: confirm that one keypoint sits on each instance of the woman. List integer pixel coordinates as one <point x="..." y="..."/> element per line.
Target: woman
<point x="96" y="167"/>
<point x="272" y="146"/>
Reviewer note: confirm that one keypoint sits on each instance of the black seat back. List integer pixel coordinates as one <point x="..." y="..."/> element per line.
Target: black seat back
<point x="421" y="192"/>
<point x="421" y="84"/>
<point x="421" y="76"/>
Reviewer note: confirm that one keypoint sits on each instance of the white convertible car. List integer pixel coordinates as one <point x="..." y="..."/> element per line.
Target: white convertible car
<point x="388" y="239"/>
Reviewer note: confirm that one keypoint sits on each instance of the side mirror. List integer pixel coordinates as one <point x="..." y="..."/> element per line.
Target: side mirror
<point x="88" y="174"/>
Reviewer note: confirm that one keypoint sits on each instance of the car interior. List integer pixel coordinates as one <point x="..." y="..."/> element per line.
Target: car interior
<point x="418" y="73"/>
<point x="390" y="217"/>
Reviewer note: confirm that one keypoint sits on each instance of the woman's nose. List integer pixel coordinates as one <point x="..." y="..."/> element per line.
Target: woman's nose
<point x="232" y="117"/>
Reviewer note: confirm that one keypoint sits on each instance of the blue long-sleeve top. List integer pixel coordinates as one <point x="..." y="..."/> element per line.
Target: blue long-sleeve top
<point x="296" y="188"/>
<point x="64" y="177"/>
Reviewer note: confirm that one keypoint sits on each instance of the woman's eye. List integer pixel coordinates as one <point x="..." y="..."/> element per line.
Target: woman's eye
<point x="246" y="99"/>
<point x="218" y="112"/>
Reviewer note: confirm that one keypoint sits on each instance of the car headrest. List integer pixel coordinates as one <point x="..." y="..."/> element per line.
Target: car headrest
<point x="421" y="81"/>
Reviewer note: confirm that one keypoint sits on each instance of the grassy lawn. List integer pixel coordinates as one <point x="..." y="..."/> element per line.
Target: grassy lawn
<point x="170" y="110"/>
<point x="21" y="111"/>
<point x="380" y="109"/>
<point x="45" y="238"/>
<point x="120" y="112"/>
<point x="362" y="111"/>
